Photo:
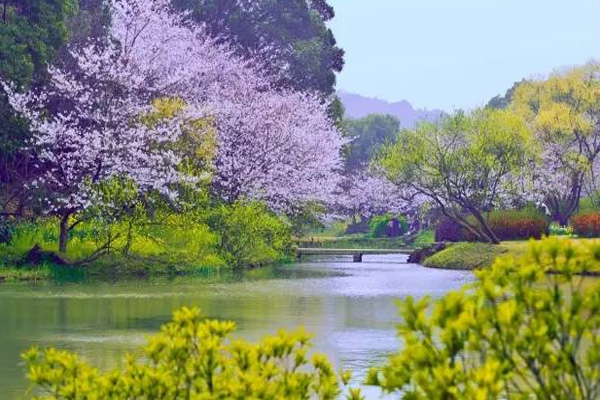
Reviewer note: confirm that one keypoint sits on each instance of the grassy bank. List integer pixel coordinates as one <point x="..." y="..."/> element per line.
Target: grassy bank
<point x="29" y="274"/>
<point x="470" y="256"/>
<point x="465" y="256"/>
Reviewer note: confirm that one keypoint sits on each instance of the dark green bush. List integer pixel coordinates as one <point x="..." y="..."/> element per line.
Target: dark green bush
<point x="7" y="229"/>
<point x="387" y="225"/>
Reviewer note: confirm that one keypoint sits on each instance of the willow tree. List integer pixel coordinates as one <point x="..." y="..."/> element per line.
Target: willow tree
<point x="564" y="112"/>
<point x="465" y="165"/>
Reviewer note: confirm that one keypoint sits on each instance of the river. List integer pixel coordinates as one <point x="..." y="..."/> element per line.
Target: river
<point x="350" y="308"/>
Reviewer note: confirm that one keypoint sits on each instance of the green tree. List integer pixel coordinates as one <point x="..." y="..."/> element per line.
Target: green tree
<point x="526" y="329"/>
<point x="300" y="45"/>
<point x="461" y="165"/>
<point x="31" y="33"/>
<point x="368" y="135"/>
<point x="502" y="102"/>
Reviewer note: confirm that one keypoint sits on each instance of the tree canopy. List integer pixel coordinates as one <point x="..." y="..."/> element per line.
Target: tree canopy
<point x="564" y="113"/>
<point x="367" y="135"/>
<point x="290" y="35"/>
<point x="463" y="164"/>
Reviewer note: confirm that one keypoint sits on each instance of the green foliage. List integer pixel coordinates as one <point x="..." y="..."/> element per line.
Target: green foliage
<point x="163" y="242"/>
<point x="379" y="225"/>
<point x="31" y="33"/>
<point x="424" y="238"/>
<point x="503" y="102"/>
<point x="526" y="329"/>
<point x="251" y="235"/>
<point x="368" y="135"/>
<point x="557" y="230"/>
<point x="305" y="218"/>
<point x="194" y="358"/>
<point x="465" y="256"/>
<point x="307" y="56"/>
<point x="10" y="274"/>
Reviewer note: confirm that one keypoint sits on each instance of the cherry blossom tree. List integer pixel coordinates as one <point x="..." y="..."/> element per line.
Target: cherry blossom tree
<point x="87" y="129"/>
<point x="279" y="146"/>
<point x="367" y="194"/>
<point x="274" y="145"/>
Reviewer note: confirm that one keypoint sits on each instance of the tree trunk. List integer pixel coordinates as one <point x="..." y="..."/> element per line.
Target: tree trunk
<point x="64" y="232"/>
<point x="129" y="239"/>
<point x="490" y="235"/>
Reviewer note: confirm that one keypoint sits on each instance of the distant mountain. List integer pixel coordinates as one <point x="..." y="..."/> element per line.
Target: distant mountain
<point x="358" y="106"/>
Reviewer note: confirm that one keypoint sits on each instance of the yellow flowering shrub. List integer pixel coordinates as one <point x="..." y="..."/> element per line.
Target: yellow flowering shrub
<point x="526" y="329"/>
<point x="192" y="358"/>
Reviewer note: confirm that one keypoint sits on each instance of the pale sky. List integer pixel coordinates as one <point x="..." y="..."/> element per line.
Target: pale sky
<point x="453" y="54"/>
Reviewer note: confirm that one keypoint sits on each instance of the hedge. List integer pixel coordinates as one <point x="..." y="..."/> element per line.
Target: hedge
<point x="586" y="224"/>
<point x="507" y="225"/>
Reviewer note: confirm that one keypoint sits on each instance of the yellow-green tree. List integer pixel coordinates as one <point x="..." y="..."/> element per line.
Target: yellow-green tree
<point x="465" y="164"/>
<point x="564" y="112"/>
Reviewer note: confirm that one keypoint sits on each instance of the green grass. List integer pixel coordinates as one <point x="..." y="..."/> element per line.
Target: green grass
<point x="13" y="274"/>
<point x="480" y="255"/>
<point x="465" y="256"/>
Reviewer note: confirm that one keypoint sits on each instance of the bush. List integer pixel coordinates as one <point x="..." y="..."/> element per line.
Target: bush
<point x="193" y="358"/>
<point x="526" y="329"/>
<point x="387" y="225"/>
<point x="586" y="224"/>
<point x="7" y="228"/>
<point x="447" y="230"/>
<point x="507" y="225"/>
<point x="517" y="225"/>
<point x="251" y="235"/>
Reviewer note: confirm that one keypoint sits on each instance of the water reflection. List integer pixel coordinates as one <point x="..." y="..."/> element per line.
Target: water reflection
<point x="348" y="306"/>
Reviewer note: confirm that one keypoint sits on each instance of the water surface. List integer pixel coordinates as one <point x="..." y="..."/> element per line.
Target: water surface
<point x="350" y="307"/>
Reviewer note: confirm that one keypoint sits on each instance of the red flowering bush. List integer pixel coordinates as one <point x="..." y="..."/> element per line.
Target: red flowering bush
<point x="586" y="224"/>
<point x="507" y="225"/>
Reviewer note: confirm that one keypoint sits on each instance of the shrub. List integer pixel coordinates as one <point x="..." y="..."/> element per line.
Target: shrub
<point x="507" y="225"/>
<point x="7" y="228"/>
<point x="586" y="224"/>
<point x="378" y="225"/>
<point x="192" y="358"/>
<point x="387" y="225"/>
<point x="447" y="230"/>
<point x="424" y="238"/>
<point x="251" y="235"/>
<point x="557" y="230"/>
<point x="526" y="329"/>
<point x="519" y="224"/>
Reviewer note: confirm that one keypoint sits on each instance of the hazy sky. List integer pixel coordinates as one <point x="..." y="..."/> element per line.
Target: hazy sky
<point x="459" y="53"/>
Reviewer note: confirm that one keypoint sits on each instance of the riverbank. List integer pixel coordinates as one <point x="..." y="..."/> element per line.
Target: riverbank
<point x="470" y="256"/>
